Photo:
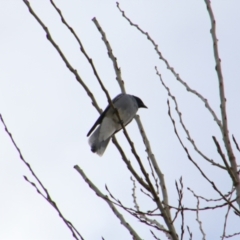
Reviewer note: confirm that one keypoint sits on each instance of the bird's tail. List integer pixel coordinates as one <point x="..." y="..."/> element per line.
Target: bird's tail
<point x="97" y="145"/>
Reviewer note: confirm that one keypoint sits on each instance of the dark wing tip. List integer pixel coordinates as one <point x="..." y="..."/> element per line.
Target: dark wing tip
<point x="99" y="120"/>
<point x="91" y="130"/>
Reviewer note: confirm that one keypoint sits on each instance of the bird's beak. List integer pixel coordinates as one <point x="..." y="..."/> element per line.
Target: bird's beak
<point x="144" y="106"/>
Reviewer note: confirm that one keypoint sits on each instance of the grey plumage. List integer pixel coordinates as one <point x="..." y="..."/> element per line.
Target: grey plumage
<point x="127" y="106"/>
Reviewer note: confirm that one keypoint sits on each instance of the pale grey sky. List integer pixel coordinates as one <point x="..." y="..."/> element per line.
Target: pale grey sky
<point x="49" y="113"/>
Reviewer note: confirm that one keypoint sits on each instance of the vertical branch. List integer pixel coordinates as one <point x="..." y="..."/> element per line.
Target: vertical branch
<point x="225" y="131"/>
<point x="111" y="56"/>
<point x="199" y="221"/>
<point x="155" y="165"/>
<point x="197" y="215"/>
<point x="224" y="160"/>
<point x="226" y="217"/>
<point x="190" y="233"/>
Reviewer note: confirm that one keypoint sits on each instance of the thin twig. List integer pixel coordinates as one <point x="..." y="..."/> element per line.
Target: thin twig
<point x="199" y="221"/>
<point x="178" y="208"/>
<point x="211" y="199"/>
<point x="202" y="209"/>
<point x="134" y="195"/>
<point x="190" y="233"/>
<point x="153" y="175"/>
<point x="132" y="211"/>
<point x="236" y="144"/>
<point x="181" y="206"/>
<point x="225" y="160"/>
<point x="143" y="216"/>
<point x="225" y="220"/>
<point x="232" y="235"/>
<point x="154" y="235"/>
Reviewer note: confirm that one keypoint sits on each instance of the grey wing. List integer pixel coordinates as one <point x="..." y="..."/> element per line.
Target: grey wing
<point x="127" y="108"/>
<point x="103" y="114"/>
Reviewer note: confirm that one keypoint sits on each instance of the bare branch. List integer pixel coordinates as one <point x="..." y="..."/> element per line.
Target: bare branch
<point x="68" y="65"/>
<point x="225" y="161"/>
<point x="143" y="216"/>
<point x="179" y="207"/>
<point x="132" y="211"/>
<point x="223" y="107"/>
<point x="190" y="233"/>
<point x="180" y="193"/>
<point x="232" y="235"/>
<point x="35" y="186"/>
<point x="210" y="199"/>
<point x="111" y="205"/>
<point x="47" y="197"/>
<point x="111" y="56"/>
<point x="154" y="235"/>
<point x="155" y="165"/>
<point x="134" y="195"/>
<point x="199" y="221"/>
<point x="204" y="208"/>
<point x="89" y="59"/>
<point x="226" y="217"/>
<point x="183" y="125"/>
<point x="153" y="175"/>
<point x="129" y="165"/>
<point x="147" y="194"/>
<point x="197" y="214"/>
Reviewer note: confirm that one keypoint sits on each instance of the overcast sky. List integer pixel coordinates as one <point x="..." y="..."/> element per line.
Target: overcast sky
<point x="49" y="113"/>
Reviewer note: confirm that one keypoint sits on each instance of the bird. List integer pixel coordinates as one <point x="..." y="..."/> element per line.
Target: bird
<point x="127" y="106"/>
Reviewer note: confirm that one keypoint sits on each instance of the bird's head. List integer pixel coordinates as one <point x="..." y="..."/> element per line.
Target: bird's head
<point x="140" y="102"/>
